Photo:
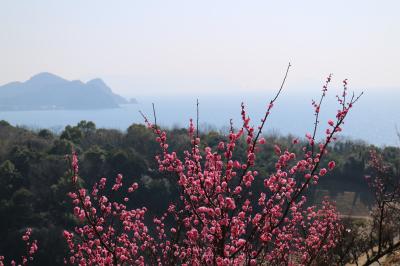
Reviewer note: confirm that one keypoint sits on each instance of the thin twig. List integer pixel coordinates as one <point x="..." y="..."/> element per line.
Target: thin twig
<point x="197" y="118"/>
<point x="155" y="117"/>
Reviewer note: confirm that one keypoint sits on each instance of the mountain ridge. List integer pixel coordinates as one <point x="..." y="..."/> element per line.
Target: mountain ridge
<point x="47" y="91"/>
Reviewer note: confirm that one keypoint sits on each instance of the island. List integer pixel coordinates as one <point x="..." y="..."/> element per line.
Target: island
<point x="46" y="91"/>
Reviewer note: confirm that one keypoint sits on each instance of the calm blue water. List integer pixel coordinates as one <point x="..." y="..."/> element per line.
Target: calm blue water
<point x="372" y="121"/>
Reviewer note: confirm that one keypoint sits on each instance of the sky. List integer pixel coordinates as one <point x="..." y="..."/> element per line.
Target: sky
<point x="145" y="48"/>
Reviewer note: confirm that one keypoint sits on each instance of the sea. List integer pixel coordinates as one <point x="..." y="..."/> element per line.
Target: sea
<point x="373" y="119"/>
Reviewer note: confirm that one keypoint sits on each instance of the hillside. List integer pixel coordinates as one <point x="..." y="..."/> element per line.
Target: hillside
<point x="34" y="178"/>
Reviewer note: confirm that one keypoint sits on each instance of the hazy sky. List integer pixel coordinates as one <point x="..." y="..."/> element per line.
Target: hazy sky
<point x="147" y="47"/>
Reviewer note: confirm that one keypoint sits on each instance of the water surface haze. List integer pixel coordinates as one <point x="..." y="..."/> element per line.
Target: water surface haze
<point x="373" y="119"/>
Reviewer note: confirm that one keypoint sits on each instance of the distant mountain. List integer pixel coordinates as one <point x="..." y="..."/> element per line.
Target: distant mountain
<point x="46" y="91"/>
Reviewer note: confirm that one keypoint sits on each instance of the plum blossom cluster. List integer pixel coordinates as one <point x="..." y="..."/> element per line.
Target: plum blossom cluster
<point x="110" y="233"/>
<point x="218" y="219"/>
<point x="31" y="249"/>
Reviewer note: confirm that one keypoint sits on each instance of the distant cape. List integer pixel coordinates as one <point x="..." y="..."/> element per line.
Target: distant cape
<point x="46" y="91"/>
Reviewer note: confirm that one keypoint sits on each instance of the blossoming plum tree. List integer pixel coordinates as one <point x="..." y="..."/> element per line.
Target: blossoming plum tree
<point x="31" y="249"/>
<point x="378" y="237"/>
<point x="218" y="219"/>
